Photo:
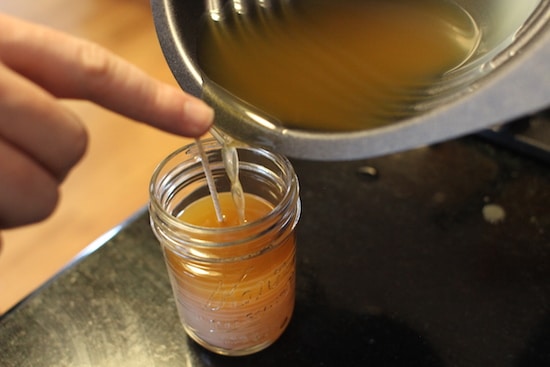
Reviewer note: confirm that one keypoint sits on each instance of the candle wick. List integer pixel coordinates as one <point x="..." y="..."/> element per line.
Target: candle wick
<point x="210" y="181"/>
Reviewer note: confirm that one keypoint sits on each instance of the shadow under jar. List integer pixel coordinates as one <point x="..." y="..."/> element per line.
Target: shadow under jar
<point x="234" y="282"/>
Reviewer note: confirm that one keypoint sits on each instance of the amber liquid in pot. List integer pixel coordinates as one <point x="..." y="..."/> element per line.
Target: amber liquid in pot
<point x="338" y="65"/>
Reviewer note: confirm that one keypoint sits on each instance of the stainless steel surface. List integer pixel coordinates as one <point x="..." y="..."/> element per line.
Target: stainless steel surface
<point x="506" y="78"/>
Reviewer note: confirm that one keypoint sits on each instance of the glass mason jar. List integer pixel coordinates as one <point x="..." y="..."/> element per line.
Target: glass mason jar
<point x="234" y="284"/>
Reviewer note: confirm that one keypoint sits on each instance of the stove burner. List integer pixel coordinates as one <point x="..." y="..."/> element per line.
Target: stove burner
<point x="529" y="135"/>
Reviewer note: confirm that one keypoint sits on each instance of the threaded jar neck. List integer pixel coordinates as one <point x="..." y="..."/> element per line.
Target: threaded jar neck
<point x="179" y="180"/>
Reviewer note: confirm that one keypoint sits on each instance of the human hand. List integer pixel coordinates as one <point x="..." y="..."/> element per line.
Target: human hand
<point x="40" y="139"/>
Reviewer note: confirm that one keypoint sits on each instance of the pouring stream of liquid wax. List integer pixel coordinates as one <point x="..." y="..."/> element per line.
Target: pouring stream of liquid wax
<point x="231" y="163"/>
<point x="210" y="181"/>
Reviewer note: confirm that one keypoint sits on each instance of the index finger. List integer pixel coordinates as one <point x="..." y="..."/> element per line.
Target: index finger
<point x="69" y="67"/>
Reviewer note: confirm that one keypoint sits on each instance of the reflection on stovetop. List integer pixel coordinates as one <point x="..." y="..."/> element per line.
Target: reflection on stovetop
<point x="529" y="135"/>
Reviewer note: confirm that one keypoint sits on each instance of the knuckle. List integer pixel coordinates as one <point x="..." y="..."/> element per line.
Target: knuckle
<point x="93" y="59"/>
<point x="95" y="65"/>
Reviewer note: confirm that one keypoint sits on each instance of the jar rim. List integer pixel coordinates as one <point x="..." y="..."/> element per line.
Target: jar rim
<point x="289" y="195"/>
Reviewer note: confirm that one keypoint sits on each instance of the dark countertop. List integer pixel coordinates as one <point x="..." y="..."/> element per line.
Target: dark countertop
<point x="395" y="268"/>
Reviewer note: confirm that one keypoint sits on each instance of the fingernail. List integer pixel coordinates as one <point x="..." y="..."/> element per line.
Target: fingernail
<point x="198" y="117"/>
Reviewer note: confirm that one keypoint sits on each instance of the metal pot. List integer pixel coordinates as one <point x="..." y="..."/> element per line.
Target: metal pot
<point x="506" y="78"/>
